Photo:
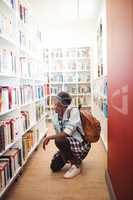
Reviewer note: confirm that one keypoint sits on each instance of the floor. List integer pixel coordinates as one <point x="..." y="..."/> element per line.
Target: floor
<point x="37" y="182"/>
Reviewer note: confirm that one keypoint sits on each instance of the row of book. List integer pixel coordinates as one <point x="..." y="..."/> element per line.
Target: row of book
<point x="70" y="77"/>
<point x="8" y="61"/>
<point x="20" y="8"/>
<point x="100" y="67"/>
<point x="84" y="77"/>
<point x="70" y="88"/>
<point x="7" y="24"/>
<point x="67" y="53"/>
<point x="11" y="64"/>
<point x="23" y="42"/>
<point x="102" y="104"/>
<point x="29" y="140"/>
<point x="9" y="98"/>
<point x="100" y="88"/>
<point x="25" y="120"/>
<point x="39" y="110"/>
<point x="84" y="88"/>
<point x="76" y="100"/>
<point x="100" y="70"/>
<point x="9" y="130"/>
<point x="10" y="163"/>
<point x="68" y="65"/>
<point x="47" y="91"/>
<point x="39" y="92"/>
<point x="83" y="65"/>
<point x="12" y="3"/>
<point x="84" y="100"/>
<point x="56" y="77"/>
<point x="12" y="97"/>
<point x="54" y="89"/>
<point x="25" y="67"/>
<point x="23" y="12"/>
<point x="26" y="94"/>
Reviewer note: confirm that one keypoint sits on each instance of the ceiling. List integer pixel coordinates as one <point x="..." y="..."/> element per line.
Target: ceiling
<point x="59" y="19"/>
<point x="66" y="9"/>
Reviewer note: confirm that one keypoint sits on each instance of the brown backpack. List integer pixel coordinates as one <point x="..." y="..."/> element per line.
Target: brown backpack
<point x="91" y="126"/>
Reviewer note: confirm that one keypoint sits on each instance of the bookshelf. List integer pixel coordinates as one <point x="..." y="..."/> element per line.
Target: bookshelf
<point x="69" y="69"/>
<point x="22" y="89"/>
<point x="100" y="79"/>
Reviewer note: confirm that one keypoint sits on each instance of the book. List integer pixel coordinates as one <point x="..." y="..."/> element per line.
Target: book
<point x="27" y="142"/>
<point x="13" y="154"/>
<point x="25" y="119"/>
<point x="39" y="111"/>
<point x="9" y="130"/>
<point x="2" y="138"/>
<point x="2" y="177"/>
<point x="3" y="172"/>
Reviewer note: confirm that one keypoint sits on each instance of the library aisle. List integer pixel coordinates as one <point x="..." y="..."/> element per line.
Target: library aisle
<point x="37" y="182"/>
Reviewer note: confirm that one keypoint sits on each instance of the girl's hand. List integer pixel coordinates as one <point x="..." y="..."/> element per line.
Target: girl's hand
<point x="46" y="141"/>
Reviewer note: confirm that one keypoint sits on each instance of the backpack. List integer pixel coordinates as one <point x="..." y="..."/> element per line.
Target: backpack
<point x="91" y="126"/>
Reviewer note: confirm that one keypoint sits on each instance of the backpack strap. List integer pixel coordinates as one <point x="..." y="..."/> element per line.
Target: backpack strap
<point x="77" y="128"/>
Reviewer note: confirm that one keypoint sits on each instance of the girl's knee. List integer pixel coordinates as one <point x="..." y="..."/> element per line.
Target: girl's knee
<point x="60" y="142"/>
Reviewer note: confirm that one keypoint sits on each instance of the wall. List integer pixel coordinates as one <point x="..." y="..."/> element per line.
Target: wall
<point x="120" y="72"/>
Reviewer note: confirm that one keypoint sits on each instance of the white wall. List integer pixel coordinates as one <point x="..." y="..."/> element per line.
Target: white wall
<point x="77" y="33"/>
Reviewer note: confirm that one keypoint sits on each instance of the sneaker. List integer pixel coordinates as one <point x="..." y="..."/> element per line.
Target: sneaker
<point x="72" y="172"/>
